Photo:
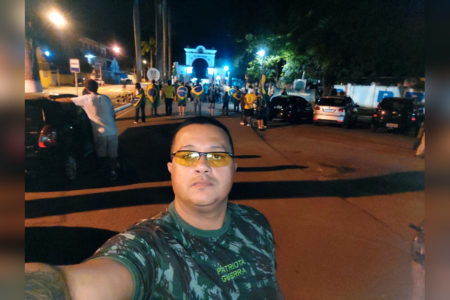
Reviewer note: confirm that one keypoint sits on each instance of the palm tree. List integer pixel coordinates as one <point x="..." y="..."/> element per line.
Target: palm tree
<point x="149" y="47"/>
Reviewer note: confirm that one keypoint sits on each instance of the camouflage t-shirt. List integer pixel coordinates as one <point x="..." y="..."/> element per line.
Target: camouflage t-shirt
<point x="170" y="259"/>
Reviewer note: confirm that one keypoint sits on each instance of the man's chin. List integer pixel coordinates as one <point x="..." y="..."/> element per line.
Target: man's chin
<point x="206" y="202"/>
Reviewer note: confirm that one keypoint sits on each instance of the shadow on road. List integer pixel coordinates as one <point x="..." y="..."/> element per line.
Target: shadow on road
<point x="371" y="186"/>
<point x="143" y="151"/>
<point x="63" y="245"/>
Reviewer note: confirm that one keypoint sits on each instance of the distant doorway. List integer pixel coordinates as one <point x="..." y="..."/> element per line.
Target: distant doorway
<point x="199" y="68"/>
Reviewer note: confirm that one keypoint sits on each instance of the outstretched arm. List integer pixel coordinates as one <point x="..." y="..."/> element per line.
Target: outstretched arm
<point x="100" y="278"/>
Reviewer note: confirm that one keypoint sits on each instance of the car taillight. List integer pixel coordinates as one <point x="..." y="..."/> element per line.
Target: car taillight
<point x="375" y="115"/>
<point x="316" y="107"/>
<point x="341" y="110"/>
<point x="47" y="137"/>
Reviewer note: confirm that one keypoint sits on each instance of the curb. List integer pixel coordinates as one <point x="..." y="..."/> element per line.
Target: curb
<point x="120" y="108"/>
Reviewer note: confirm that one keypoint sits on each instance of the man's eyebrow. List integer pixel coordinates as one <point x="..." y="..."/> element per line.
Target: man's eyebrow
<point x="221" y="147"/>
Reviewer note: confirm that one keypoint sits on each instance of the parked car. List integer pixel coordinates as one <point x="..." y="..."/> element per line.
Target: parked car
<point x="57" y="135"/>
<point x="336" y="109"/>
<point x="395" y="113"/>
<point x="290" y="108"/>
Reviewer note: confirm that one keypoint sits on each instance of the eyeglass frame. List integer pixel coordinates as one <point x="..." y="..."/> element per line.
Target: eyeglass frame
<point x="202" y="153"/>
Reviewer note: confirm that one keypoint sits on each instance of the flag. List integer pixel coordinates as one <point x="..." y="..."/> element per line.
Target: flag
<point x="263" y="81"/>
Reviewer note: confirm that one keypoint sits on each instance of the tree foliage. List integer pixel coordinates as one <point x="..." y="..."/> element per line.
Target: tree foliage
<point x="347" y="41"/>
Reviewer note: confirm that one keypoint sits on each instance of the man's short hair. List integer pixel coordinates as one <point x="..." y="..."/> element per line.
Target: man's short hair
<point x="203" y="121"/>
<point x="91" y="85"/>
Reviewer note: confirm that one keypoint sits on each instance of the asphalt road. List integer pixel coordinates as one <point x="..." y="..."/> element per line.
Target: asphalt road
<point x="339" y="202"/>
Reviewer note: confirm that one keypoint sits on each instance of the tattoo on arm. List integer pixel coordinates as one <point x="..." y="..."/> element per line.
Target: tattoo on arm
<point x="46" y="285"/>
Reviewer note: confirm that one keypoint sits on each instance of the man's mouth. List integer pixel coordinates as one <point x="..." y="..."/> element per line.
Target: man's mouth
<point x="202" y="184"/>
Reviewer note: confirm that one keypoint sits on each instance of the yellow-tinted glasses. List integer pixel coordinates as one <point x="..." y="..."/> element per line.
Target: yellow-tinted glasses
<point x="215" y="159"/>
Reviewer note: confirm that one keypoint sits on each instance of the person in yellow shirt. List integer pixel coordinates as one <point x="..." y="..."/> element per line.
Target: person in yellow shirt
<point x="169" y="93"/>
<point x="249" y="100"/>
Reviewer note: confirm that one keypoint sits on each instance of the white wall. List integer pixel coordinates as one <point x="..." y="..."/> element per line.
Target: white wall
<point x="368" y="95"/>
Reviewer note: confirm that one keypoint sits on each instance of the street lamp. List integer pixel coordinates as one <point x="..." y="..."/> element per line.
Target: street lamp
<point x="144" y="61"/>
<point x="261" y="53"/>
<point x="227" y="78"/>
<point x="57" y="19"/>
<point x="116" y="49"/>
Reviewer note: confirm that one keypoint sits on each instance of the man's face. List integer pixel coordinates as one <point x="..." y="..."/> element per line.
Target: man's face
<point x="200" y="185"/>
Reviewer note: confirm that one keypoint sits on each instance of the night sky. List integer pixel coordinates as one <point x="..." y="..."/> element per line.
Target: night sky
<point x="194" y="23"/>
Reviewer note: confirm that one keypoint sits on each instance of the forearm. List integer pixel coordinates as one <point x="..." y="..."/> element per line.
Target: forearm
<point x="45" y="282"/>
<point x="99" y="279"/>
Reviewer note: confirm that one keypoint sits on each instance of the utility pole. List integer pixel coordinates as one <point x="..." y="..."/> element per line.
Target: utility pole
<point x="137" y="40"/>
<point x="32" y="79"/>
<point x="164" y="36"/>
<point x="169" y="38"/>
<point x="158" y="36"/>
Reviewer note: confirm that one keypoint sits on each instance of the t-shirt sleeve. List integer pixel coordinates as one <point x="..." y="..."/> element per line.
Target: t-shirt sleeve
<point x="80" y="101"/>
<point x="133" y="249"/>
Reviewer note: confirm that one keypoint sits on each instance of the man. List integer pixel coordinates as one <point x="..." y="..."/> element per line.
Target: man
<point x="181" y="95"/>
<point x="201" y="247"/>
<point x="211" y="100"/>
<point x="153" y="96"/>
<point x="249" y="100"/>
<point x="197" y="95"/>
<point x="139" y="94"/>
<point x="101" y="113"/>
<point x="168" y="92"/>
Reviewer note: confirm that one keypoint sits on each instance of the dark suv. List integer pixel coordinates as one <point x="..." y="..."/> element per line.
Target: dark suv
<point x="57" y="135"/>
<point x="402" y="114"/>
<point x="290" y="108"/>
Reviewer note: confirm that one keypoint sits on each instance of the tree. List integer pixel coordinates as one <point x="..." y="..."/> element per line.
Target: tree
<point x="149" y="47"/>
<point x="346" y="41"/>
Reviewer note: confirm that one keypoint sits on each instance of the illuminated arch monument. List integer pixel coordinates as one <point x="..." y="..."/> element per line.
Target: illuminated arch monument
<point x="200" y="52"/>
<point x="193" y="56"/>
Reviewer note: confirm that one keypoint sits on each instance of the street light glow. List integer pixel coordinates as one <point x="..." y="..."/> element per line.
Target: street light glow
<point x="47" y="53"/>
<point x="261" y="53"/>
<point x="144" y="61"/>
<point x="226" y="68"/>
<point x="57" y="19"/>
<point x="116" y="49"/>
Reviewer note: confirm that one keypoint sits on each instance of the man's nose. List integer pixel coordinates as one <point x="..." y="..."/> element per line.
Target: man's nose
<point x="202" y="165"/>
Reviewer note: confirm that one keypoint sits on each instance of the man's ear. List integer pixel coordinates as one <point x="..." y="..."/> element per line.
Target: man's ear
<point x="169" y="167"/>
<point x="235" y="167"/>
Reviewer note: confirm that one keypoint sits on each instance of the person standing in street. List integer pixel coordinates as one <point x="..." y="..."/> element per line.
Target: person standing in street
<point x="139" y="94"/>
<point x="169" y="93"/>
<point x="211" y="100"/>
<point x="236" y="99"/>
<point x="197" y="93"/>
<point x="101" y="113"/>
<point x="153" y="96"/>
<point x="242" y="105"/>
<point x="249" y="100"/>
<point x="181" y="97"/>
<point x="226" y="100"/>
<point x="200" y="247"/>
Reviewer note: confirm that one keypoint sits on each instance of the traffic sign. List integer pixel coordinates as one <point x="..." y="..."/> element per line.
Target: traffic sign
<point x="384" y="94"/>
<point x="153" y="74"/>
<point x="74" y="65"/>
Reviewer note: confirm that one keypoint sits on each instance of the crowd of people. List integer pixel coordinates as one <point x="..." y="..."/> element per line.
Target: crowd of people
<point x="251" y="102"/>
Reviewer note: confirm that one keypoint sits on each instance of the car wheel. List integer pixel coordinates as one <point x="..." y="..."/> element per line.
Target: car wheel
<point x="70" y="167"/>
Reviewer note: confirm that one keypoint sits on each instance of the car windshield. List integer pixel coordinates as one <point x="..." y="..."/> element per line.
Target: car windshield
<point x="331" y="102"/>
